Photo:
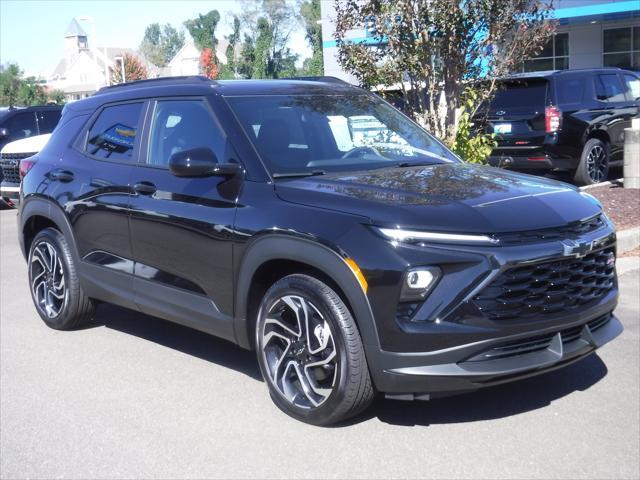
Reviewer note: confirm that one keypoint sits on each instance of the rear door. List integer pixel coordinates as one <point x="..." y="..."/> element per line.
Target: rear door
<point x="517" y="113"/>
<point x="182" y="228"/>
<point x="93" y="186"/>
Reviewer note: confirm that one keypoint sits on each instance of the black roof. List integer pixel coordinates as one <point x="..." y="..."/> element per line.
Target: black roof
<point x="198" y="85"/>
<point x="558" y="73"/>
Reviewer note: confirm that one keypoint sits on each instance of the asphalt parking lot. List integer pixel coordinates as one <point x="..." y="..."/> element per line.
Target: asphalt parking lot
<point x="136" y="397"/>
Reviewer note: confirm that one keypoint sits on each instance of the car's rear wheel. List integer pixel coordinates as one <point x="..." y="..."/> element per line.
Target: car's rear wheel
<point x="54" y="284"/>
<point x="310" y="352"/>
<point x="594" y="163"/>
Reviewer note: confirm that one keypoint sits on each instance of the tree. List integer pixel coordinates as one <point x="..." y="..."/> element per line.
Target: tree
<point x="31" y="93"/>
<point x="310" y="13"/>
<point x="268" y="25"/>
<point x="10" y="83"/>
<point x="208" y="64"/>
<point x="160" y="44"/>
<point x="133" y="70"/>
<point x="57" y="97"/>
<point x="433" y="47"/>
<point x="203" y="30"/>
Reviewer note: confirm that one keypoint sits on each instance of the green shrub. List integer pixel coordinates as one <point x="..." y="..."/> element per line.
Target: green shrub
<point x="472" y="146"/>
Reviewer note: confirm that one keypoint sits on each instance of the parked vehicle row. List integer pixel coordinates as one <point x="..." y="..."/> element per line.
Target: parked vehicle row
<point x="315" y="224"/>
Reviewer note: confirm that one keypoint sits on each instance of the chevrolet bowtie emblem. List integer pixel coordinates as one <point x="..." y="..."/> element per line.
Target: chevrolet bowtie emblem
<point x="576" y="248"/>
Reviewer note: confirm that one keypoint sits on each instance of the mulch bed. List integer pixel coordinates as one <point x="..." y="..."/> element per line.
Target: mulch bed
<point x="622" y="205"/>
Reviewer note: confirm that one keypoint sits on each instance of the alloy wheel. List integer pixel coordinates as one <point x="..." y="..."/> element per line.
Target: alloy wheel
<point x="597" y="163"/>
<point x="299" y="351"/>
<point x="47" y="279"/>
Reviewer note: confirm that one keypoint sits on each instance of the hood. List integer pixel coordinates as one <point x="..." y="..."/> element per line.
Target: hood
<point x="446" y="197"/>
<point x="27" y="145"/>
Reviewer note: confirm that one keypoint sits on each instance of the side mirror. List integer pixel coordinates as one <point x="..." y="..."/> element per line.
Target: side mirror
<point x="200" y="162"/>
<point x="4" y="133"/>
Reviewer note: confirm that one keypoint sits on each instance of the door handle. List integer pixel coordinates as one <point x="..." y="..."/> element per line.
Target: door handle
<point x="144" y="188"/>
<point x="61" y="175"/>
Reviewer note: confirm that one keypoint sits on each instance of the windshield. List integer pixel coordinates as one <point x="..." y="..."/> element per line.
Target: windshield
<point x="311" y="134"/>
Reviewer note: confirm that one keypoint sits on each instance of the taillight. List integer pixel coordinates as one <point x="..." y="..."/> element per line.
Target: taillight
<point x="552" y="118"/>
<point x="25" y="165"/>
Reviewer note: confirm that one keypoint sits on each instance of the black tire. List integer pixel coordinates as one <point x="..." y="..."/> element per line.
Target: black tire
<point x="351" y="390"/>
<point x="74" y="309"/>
<point x="594" y="163"/>
<point x="4" y="205"/>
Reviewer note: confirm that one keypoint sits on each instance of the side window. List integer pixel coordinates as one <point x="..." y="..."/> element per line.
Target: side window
<point x="633" y="86"/>
<point x="609" y="88"/>
<point x="21" y="125"/>
<point x="47" y="120"/>
<point x="180" y="125"/>
<point x="113" y="134"/>
<point x="570" y="90"/>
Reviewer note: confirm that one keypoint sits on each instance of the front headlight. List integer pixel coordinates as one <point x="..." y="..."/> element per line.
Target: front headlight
<point x="400" y="235"/>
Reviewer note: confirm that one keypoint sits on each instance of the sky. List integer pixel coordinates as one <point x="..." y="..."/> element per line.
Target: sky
<point x="32" y="32"/>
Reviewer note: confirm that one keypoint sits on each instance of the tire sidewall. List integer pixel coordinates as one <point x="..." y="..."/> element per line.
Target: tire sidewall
<point x="294" y="285"/>
<point x="54" y="238"/>
<point x="582" y="175"/>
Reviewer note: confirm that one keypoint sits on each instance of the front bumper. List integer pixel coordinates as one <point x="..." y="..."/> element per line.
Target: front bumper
<point x="467" y="368"/>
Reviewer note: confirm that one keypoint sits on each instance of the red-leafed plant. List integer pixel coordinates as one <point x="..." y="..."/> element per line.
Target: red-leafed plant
<point x="208" y="64"/>
<point x="134" y="70"/>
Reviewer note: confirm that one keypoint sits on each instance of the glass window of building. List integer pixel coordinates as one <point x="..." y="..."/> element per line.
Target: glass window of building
<point x="621" y="47"/>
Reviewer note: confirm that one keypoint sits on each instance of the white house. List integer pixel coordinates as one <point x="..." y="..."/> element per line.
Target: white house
<point x="84" y="67"/>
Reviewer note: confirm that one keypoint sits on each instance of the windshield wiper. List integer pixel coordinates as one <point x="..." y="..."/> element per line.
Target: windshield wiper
<point x="312" y="173"/>
<point x="417" y="164"/>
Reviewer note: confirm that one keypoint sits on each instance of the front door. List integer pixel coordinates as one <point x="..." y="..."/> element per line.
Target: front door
<point x="182" y="228"/>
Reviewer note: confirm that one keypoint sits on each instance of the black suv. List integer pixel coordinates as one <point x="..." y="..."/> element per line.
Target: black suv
<point x="17" y="124"/>
<point x="316" y="224"/>
<point x="570" y="120"/>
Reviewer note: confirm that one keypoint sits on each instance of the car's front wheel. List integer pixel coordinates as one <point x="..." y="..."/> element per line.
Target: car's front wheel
<point x="54" y="283"/>
<point x="310" y="352"/>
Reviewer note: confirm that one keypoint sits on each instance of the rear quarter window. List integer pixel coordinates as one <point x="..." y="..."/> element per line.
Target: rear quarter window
<point x="113" y="134"/>
<point x="570" y="90"/>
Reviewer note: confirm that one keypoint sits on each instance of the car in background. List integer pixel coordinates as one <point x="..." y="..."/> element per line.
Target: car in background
<point x="11" y="157"/>
<point x="567" y="120"/>
<point x="17" y="123"/>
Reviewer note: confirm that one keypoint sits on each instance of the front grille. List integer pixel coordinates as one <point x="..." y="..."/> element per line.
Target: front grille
<point x="10" y="165"/>
<point x="545" y="288"/>
<point x="572" y="230"/>
<point x="539" y="342"/>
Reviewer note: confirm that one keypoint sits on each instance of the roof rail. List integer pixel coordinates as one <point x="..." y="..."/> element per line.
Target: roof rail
<point x="320" y="78"/>
<point x="153" y="81"/>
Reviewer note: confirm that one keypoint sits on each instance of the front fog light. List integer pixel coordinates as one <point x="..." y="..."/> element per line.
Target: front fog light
<point x="418" y="282"/>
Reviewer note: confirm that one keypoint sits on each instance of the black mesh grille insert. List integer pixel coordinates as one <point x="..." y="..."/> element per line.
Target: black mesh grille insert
<point x="549" y="287"/>
<point x="10" y="165"/>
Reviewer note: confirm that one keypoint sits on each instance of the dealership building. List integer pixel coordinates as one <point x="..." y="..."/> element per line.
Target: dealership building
<point x="590" y="33"/>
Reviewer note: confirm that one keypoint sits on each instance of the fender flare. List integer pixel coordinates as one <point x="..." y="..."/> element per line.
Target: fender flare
<point x="39" y="206"/>
<point x="318" y="256"/>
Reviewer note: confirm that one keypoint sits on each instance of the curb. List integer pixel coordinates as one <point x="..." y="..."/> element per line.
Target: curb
<point x="617" y="181"/>
<point x="627" y="264"/>
<point x="628" y="239"/>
